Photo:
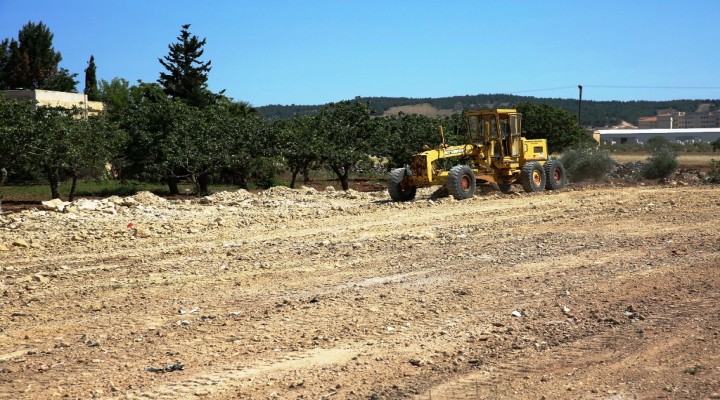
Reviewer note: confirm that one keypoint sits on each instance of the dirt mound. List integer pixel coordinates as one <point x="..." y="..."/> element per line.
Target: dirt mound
<point x="146" y="199"/>
<point x="238" y="197"/>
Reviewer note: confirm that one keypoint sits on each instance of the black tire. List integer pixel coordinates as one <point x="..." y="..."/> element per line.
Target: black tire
<point x="461" y="182"/>
<point x="555" y="175"/>
<point x="505" y="187"/>
<point x="398" y="187"/>
<point x="532" y="177"/>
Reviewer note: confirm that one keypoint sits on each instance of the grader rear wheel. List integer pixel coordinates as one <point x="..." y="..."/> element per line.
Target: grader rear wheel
<point x="555" y="175"/>
<point x="532" y="177"/>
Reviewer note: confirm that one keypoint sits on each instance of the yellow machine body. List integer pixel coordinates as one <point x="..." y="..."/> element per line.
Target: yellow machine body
<point x="495" y="150"/>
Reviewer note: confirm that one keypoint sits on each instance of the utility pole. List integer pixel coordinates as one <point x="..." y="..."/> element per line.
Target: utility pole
<point x="579" y="103"/>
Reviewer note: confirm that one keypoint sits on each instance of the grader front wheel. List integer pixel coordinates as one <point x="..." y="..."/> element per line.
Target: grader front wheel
<point x="399" y="188"/>
<point x="461" y="182"/>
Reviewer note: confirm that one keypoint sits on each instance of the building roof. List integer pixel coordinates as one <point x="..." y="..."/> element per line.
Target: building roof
<point x="657" y="131"/>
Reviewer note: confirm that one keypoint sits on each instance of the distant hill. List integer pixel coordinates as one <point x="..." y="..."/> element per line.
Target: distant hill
<point x="594" y="113"/>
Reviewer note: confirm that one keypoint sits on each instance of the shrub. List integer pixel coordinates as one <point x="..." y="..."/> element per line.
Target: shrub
<point x="657" y="142"/>
<point x="264" y="173"/>
<point x="587" y="163"/>
<point x="715" y="145"/>
<point x="660" y="164"/>
<point x="714" y="173"/>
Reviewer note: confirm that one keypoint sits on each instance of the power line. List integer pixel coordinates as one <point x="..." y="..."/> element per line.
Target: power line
<point x="652" y="87"/>
<point x="542" y="90"/>
<point x="619" y="87"/>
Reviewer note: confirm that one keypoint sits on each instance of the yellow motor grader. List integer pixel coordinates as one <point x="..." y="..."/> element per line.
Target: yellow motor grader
<point x="495" y="152"/>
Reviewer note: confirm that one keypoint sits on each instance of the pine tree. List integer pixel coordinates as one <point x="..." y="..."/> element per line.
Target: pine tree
<point x="91" y="86"/>
<point x="31" y="62"/>
<point x="186" y="76"/>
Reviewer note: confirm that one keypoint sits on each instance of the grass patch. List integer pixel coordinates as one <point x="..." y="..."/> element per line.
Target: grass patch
<point x="685" y="160"/>
<point x="102" y="189"/>
<point x="37" y="192"/>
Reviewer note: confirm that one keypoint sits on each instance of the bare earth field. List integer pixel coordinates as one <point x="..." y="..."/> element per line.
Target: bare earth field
<point x="593" y="292"/>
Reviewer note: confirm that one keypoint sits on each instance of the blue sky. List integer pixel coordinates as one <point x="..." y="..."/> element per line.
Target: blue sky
<point x="319" y="51"/>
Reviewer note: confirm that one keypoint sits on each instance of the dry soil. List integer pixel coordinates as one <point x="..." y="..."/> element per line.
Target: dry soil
<point x="592" y="292"/>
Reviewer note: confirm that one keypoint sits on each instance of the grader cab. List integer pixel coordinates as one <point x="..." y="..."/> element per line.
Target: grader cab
<point x="495" y="152"/>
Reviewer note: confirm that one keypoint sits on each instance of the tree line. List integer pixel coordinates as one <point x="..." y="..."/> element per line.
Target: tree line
<point x="593" y="113"/>
<point x="177" y="130"/>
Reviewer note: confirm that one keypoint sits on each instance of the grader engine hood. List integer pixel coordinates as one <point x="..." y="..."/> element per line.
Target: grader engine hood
<point x="424" y="171"/>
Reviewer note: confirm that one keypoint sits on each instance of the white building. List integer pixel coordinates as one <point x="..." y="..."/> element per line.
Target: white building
<point x="680" y="120"/>
<point x="641" y="136"/>
<point x="56" y="99"/>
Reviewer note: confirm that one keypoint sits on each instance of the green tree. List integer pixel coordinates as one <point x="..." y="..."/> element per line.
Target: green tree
<point x="58" y="144"/>
<point x="91" y="85"/>
<point x="172" y="140"/>
<point x="186" y="77"/>
<point x="197" y="143"/>
<point x="253" y="150"/>
<point x="399" y="137"/>
<point x="345" y="129"/>
<point x="147" y="119"/>
<point x="15" y="121"/>
<point x="558" y="126"/>
<point x="31" y="62"/>
<point x="115" y="95"/>
<point x="301" y="144"/>
<point x="240" y="108"/>
<point x="94" y="141"/>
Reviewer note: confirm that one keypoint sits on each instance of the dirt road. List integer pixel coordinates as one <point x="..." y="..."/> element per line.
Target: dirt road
<point x="585" y="293"/>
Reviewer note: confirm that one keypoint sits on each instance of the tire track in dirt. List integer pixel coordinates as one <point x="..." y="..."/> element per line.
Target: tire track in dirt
<point x="219" y="383"/>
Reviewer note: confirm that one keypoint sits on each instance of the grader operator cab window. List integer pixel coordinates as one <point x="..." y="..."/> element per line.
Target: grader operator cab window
<point x="475" y="126"/>
<point x="499" y="131"/>
<point x="515" y="124"/>
<point x="513" y="146"/>
<point x="493" y="127"/>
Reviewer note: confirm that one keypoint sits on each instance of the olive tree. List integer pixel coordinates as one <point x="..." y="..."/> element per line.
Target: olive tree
<point x="345" y="129"/>
<point x="300" y="144"/>
<point x="15" y="121"/>
<point x="59" y="143"/>
<point x="253" y="151"/>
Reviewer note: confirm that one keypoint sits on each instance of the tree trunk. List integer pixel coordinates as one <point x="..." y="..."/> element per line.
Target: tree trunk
<point x="306" y="174"/>
<point x="342" y="174"/>
<point x="54" y="181"/>
<point x="242" y="178"/>
<point x="345" y="180"/>
<point x="202" y="185"/>
<point x="3" y="176"/>
<point x="172" y="182"/>
<point x="73" y="187"/>
<point x="295" y="172"/>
